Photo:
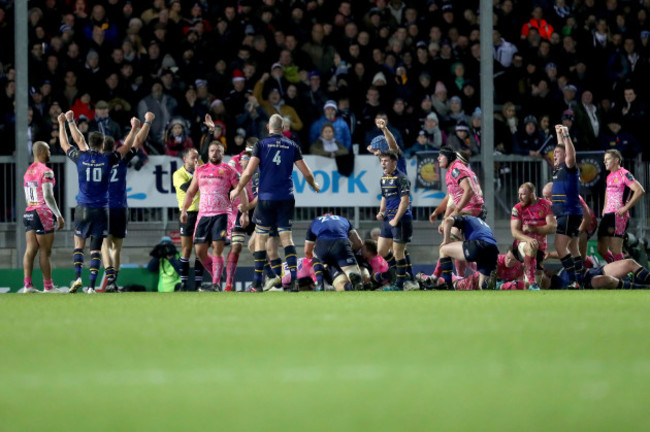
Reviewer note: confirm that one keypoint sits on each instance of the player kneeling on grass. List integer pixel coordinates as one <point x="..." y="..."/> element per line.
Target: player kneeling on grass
<point x="328" y="242"/>
<point x="479" y="246"/>
<point x="610" y="276"/>
<point x="532" y="219"/>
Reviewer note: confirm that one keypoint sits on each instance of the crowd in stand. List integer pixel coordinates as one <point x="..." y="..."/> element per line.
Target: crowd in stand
<point x="329" y="67"/>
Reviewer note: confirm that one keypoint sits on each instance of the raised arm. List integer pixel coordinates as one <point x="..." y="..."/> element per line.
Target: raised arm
<point x="390" y="138"/>
<point x="77" y="136"/>
<point x="143" y="133"/>
<point x="63" y="135"/>
<point x="135" y="125"/>
<point x="570" y="150"/>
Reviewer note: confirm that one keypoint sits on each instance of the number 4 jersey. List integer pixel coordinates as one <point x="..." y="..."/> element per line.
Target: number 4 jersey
<point x="93" y="169"/>
<point x="277" y="155"/>
<point x="36" y="175"/>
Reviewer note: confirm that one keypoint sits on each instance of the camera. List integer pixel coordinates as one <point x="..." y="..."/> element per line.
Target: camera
<point x="163" y="250"/>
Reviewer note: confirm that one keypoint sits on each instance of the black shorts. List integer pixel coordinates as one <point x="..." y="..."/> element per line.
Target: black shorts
<point x="335" y="252"/>
<point x="590" y="274"/>
<point x="569" y="225"/>
<point x="277" y="214"/>
<point x="89" y="221"/>
<point x="211" y="228"/>
<point x="117" y="220"/>
<point x="250" y="228"/>
<point x="484" y="254"/>
<point x="612" y="226"/>
<point x="402" y="233"/>
<point x="483" y="214"/>
<point x="40" y="221"/>
<point x="187" y="229"/>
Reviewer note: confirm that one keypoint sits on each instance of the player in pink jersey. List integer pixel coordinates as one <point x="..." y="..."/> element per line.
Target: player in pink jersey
<point x="616" y="211"/>
<point x="40" y="216"/>
<point x="531" y="221"/>
<point x="377" y="271"/>
<point x="464" y="195"/>
<point x="306" y="276"/>
<point x="236" y="231"/>
<point x="214" y="181"/>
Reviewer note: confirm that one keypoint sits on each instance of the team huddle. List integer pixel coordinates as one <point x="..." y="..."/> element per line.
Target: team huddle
<point x="221" y="203"/>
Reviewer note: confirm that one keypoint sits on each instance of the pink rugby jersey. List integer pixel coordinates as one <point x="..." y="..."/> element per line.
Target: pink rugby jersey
<point x="37" y="174"/>
<point x="533" y="215"/>
<point x="305" y="269"/>
<point x="215" y="182"/>
<point x="616" y="183"/>
<point x="455" y="173"/>
<point x="509" y="274"/>
<point x="378" y="264"/>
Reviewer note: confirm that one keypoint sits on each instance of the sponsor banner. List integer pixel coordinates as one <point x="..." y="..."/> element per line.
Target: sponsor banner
<point x="152" y="185"/>
<point x="428" y="171"/>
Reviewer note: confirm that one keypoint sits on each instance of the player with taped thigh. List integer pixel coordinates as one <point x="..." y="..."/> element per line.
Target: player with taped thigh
<point x="91" y="213"/>
<point x="396" y="218"/>
<point x="328" y="243"/>
<point x="213" y="180"/>
<point x="479" y="246"/>
<point x="616" y="211"/>
<point x="117" y="203"/>
<point x="587" y="228"/>
<point x="275" y="156"/>
<point x="531" y="221"/>
<point x="41" y="217"/>
<point x="566" y="205"/>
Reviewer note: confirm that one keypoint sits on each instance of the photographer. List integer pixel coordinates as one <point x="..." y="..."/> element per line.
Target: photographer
<point x="165" y="261"/>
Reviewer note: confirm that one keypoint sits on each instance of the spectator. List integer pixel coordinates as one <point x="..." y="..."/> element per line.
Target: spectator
<point x="327" y="145"/>
<point x="505" y="128"/>
<point x="529" y="140"/>
<point x="614" y="138"/>
<point x="103" y="123"/>
<point x="164" y="107"/>
<point x="429" y="138"/>
<point x="177" y="137"/>
<point x="275" y="104"/>
<point x="503" y="50"/>
<point x="320" y="52"/>
<point x="537" y="22"/>
<point x="634" y="113"/>
<point x="587" y="118"/>
<point x="462" y="140"/>
<point x="341" y="129"/>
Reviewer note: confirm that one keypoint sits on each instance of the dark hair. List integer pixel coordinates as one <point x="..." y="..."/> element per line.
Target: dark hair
<point x="391" y="154"/>
<point x="96" y="140"/>
<point x="371" y="245"/>
<point x="109" y="144"/>
<point x="251" y="141"/>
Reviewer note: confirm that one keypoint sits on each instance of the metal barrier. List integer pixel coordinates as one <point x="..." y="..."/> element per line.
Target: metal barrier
<point x="510" y="172"/>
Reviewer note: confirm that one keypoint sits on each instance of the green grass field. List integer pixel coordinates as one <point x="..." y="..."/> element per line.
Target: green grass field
<point x="415" y="361"/>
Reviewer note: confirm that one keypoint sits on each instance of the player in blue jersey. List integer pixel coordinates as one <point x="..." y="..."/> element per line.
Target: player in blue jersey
<point x="275" y="156"/>
<point x="479" y="246"/>
<point x="610" y="276"/>
<point x="566" y="204"/>
<point x="329" y="242"/>
<point x="397" y="219"/>
<point x="117" y="203"/>
<point x="91" y="215"/>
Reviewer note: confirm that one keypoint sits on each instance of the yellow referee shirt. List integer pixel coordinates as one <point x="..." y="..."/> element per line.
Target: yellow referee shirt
<point x="180" y="177"/>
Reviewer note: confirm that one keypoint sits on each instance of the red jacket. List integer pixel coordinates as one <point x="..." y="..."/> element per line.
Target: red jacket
<point x="544" y="28"/>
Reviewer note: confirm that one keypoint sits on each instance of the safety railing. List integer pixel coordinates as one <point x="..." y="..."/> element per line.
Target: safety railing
<point x="510" y="172"/>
